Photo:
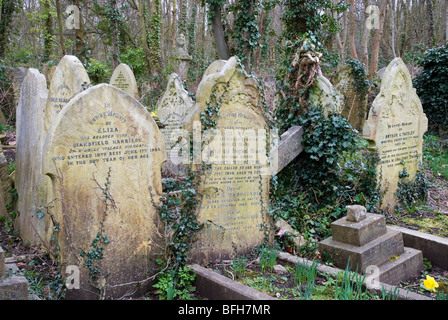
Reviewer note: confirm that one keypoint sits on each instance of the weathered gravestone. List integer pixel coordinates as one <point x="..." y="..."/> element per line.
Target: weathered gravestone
<point x="104" y="154"/>
<point x="325" y="96"/>
<point x="67" y="81"/>
<point x="29" y="181"/>
<point x="124" y="79"/>
<point x="171" y="111"/>
<point x="395" y="129"/>
<point x="355" y="106"/>
<point x="234" y="207"/>
<point x="182" y="56"/>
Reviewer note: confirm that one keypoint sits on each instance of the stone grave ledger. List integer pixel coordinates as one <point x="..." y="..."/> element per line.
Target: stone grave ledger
<point x="367" y="244"/>
<point x="395" y="129"/>
<point x="104" y="154"/>
<point x="29" y="181"/>
<point x="66" y="82"/>
<point x="172" y="108"/>
<point x="234" y="207"/>
<point x="124" y="79"/>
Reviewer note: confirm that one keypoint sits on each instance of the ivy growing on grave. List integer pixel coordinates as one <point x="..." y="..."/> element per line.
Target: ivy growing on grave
<point x="334" y="170"/>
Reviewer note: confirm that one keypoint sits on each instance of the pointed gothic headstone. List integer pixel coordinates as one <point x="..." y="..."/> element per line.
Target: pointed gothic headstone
<point x="234" y="207"/>
<point x="67" y="81"/>
<point x="124" y="79"/>
<point x="395" y="129"/>
<point x="171" y="111"/>
<point x="104" y="154"/>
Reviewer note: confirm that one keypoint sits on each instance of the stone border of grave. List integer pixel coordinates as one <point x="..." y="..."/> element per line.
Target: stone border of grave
<point x="214" y="286"/>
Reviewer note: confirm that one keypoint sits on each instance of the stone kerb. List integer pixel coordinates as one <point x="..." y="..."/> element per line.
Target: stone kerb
<point x="104" y="154"/>
<point x="235" y="190"/>
<point x="395" y="128"/>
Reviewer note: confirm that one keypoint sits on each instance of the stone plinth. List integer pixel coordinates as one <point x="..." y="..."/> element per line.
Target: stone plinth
<point x="375" y="252"/>
<point x="370" y="245"/>
<point x="359" y="233"/>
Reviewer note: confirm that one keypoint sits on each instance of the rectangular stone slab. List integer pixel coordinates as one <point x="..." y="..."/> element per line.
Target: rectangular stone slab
<point x="375" y="252"/>
<point x="408" y="265"/>
<point x="359" y="233"/>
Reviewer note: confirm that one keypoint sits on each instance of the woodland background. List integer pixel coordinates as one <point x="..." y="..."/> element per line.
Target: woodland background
<point x="142" y="33"/>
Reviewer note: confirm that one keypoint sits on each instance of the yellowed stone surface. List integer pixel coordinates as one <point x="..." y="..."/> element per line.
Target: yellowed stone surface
<point x="395" y="129"/>
<point x="66" y="82"/>
<point x="354" y="107"/>
<point x="236" y="190"/>
<point x="105" y="136"/>
<point x="124" y="79"/>
<point x="30" y="183"/>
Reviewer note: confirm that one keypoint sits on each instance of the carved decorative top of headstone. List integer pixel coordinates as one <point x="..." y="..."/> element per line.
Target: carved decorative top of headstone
<point x="356" y="213"/>
<point x="395" y="129"/>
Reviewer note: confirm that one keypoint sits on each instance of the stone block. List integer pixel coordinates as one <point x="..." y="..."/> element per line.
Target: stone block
<point x="375" y="252"/>
<point x="359" y="233"/>
<point x="13" y="287"/>
<point x="409" y="264"/>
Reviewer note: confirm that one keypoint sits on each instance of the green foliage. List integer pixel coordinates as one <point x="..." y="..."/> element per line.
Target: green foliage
<point x="174" y="284"/>
<point x="268" y="257"/>
<point x="135" y="58"/>
<point x="349" y="286"/>
<point x="359" y="73"/>
<point x="409" y="193"/>
<point x="98" y="72"/>
<point x="432" y="88"/>
<point x="302" y="16"/>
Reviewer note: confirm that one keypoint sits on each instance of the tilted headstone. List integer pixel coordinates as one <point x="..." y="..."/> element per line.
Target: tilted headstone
<point x="67" y="81"/>
<point x="395" y="129"/>
<point x="235" y="191"/>
<point x="104" y="154"/>
<point x="124" y="79"/>
<point x="355" y="106"/>
<point x="171" y="111"/>
<point x="29" y="181"/>
<point x="325" y="96"/>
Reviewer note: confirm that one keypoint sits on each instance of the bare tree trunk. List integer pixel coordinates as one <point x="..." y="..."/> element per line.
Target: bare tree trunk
<point x="446" y="23"/>
<point x="392" y="27"/>
<point x="365" y="39"/>
<point x="61" y="34"/>
<point x="353" y="52"/>
<point x="80" y="36"/>
<point x="218" y="34"/>
<point x="376" y="41"/>
<point x="144" y="37"/>
<point x="341" y="42"/>
<point x="430" y="8"/>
